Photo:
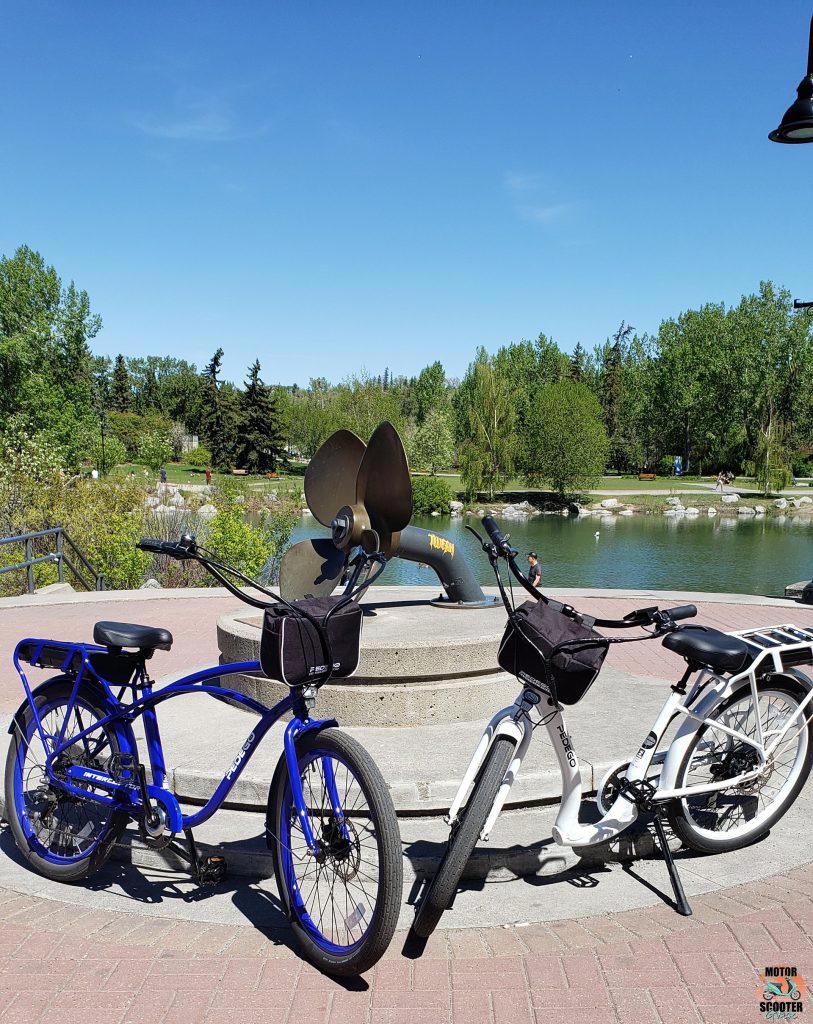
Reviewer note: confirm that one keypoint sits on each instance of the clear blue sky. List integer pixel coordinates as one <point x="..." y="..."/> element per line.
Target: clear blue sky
<point x="335" y="186"/>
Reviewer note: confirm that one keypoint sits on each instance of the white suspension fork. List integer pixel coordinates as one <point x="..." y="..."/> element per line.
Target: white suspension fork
<point x="504" y="723"/>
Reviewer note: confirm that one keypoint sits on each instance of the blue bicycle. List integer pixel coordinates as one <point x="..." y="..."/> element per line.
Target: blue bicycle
<point x="75" y="777"/>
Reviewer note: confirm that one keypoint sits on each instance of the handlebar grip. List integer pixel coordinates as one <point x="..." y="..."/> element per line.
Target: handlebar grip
<point x="495" y="533"/>
<point x="160" y="547"/>
<point x="685" y="611"/>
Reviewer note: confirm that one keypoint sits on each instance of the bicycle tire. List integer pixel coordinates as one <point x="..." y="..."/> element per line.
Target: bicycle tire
<point x="46" y="823"/>
<point x="464" y="837"/>
<point x="332" y="945"/>
<point x="732" y="818"/>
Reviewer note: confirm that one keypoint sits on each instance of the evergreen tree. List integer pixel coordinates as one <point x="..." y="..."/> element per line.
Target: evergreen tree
<point x="121" y="395"/>
<point x="577" y="361"/>
<point x="261" y="446"/>
<point x="219" y="413"/>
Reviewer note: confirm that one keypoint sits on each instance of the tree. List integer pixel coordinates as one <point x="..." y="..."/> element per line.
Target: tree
<point x="486" y="420"/>
<point x="432" y="446"/>
<point x="219" y="413"/>
<point x="428" y="391"/>
<point x="261" y="446"/>
<point x="577" y="362"/>
<point x="121" y="395"/>
<point x="568" y="434"/>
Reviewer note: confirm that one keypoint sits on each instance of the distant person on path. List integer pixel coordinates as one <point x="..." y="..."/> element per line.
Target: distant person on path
<point x="534" y="572"/>
<point x="721" y="481"/>
<point x="163" y="476"/>
<point x="208" y="475"/>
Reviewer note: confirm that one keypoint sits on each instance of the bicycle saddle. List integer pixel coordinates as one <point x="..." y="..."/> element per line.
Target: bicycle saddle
<point x="705" y="646"/>
<point x="127" y="634"/>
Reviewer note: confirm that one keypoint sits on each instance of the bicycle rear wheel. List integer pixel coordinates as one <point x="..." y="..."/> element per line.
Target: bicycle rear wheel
<point x="464" y="836"/>
<point x="64" y="837"/>
<point x="729" y="819"/>
<point x="343" y="903"/>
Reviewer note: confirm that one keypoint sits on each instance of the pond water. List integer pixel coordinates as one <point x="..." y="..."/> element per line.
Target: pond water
<point x="733" y="555"/>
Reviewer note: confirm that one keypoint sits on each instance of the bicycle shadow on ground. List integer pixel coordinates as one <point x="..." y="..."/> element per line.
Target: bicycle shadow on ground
<point x="126" y="883"/>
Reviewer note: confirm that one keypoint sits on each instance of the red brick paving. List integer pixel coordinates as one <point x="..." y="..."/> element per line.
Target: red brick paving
<point x="59" y="964"/>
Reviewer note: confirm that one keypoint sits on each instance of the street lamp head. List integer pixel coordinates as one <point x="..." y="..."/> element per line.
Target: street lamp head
<point x="797" y="124"/>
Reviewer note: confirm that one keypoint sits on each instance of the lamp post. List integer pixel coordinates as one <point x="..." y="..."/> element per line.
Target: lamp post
<point x="102" y="428"/>
<point x="797" y="124"/>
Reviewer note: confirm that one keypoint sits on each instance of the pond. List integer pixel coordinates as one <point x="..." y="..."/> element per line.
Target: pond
<point x="734" y="555"/>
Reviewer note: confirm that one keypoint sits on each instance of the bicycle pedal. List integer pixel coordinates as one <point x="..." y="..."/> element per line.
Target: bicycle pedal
<point x="211" y="870"/>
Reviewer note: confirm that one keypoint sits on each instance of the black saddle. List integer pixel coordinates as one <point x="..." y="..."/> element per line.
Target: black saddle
<point x="127" y="634"/>
<point x="702" y="645"/>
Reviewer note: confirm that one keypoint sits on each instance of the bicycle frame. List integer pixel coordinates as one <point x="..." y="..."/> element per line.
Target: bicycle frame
<point x="123" y="792"/>
<point x="707" y="691"/>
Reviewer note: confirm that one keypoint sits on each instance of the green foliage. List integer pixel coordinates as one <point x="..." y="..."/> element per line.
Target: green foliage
<point x="198" y="458"/>
<point x="105" y="518"/>
<point x="154" y="450"/>
<point x="219" y="413"/>
<point x="253" y="547"/>
<point x="428" y="391"/>
<point x="486" y="412"/>
<point x="130" y="428"/>
<point x="567" y="440"/>
<point x="260" y="448"/>
<point x="432" y="445"/>
<point x="430" y="494"/>
<point x="30" y="468"/>
<point x="114" y="452"/>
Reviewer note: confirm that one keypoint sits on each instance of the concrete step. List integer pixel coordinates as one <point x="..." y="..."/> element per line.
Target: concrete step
<point x="422" y="765"/>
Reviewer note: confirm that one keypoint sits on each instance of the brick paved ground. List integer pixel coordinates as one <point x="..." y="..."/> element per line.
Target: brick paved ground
<point x="59" y="964"/>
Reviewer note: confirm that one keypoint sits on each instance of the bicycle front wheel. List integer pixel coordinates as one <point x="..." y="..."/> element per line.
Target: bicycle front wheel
<point x="464" y="837"/>
<point x="343" y="902"/>
<point x="729" y="819"/>
<point x="63" y="836"/>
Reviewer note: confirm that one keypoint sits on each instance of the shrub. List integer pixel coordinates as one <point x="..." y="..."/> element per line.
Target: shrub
<point x="256" y="545"/>
<point x="154" y="450"/>
<point x="115" y="452"/>
<point x="198" y="458"/>
<point x="431" y="494"/>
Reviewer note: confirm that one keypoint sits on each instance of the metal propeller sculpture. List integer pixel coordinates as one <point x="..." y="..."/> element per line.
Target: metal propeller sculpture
<point x="363" y="494"/>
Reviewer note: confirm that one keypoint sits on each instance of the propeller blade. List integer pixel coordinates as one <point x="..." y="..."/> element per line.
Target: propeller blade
<point x="311" y="567"/>
<point x="383" y="484"/>
<point x="330" y="479"/>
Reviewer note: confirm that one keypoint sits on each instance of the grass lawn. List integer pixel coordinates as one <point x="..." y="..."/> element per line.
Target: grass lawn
<point x="180" y="473"/>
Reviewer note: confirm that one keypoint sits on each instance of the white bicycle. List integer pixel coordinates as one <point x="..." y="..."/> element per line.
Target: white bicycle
<point x="740" y="754"/>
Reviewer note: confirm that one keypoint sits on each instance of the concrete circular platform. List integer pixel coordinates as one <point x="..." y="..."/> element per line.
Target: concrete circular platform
<point x="419" y="664"/>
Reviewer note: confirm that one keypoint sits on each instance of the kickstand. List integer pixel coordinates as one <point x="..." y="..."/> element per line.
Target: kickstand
<point x="205" y="870"/>
<point x="681" y="903"/>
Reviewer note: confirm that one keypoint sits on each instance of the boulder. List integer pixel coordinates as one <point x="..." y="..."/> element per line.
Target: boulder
<point x="692" y="511"/>
<point x="150" y="584"/>
<point x="456" y="506"/>
<point x="674" y="502"/>
<point x="177" y="500"/>
<point x="712" y="511"/>
<point x="780" y="503"/>
<point x="759" y="509"/>
<point x="609" y="503"/>
<point x="626" y="512"/>
<point x="730" y="499"/>
<point x="207" y="511"/>
<point x="151" y="501"/>
<point x="805" y="501"/>
<point x="745" y="510"/>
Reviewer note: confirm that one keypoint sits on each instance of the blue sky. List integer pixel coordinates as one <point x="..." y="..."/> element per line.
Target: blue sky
<point x="331" y="187"/>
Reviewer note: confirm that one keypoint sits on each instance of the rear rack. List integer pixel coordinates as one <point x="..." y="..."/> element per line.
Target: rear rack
<point x="776" y="648"/>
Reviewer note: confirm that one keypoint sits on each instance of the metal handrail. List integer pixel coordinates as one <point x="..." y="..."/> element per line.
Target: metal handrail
<point x="62" y="538"/>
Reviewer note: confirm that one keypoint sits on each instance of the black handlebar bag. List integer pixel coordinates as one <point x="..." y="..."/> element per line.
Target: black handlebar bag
<point x="551" y="651"/>
<point x="310" y="641"/>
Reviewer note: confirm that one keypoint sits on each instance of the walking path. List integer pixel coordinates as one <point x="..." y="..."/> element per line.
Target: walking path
<point x="143" y="945"/>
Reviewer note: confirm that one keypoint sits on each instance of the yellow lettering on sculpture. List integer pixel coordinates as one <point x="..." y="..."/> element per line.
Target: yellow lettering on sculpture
<point x="442" y="544"/>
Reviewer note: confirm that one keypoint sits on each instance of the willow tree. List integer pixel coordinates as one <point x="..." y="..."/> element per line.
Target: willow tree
<point x="486" y="419"/>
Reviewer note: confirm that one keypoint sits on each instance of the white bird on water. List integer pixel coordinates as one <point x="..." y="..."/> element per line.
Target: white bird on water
<point x="597" y="533"/>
